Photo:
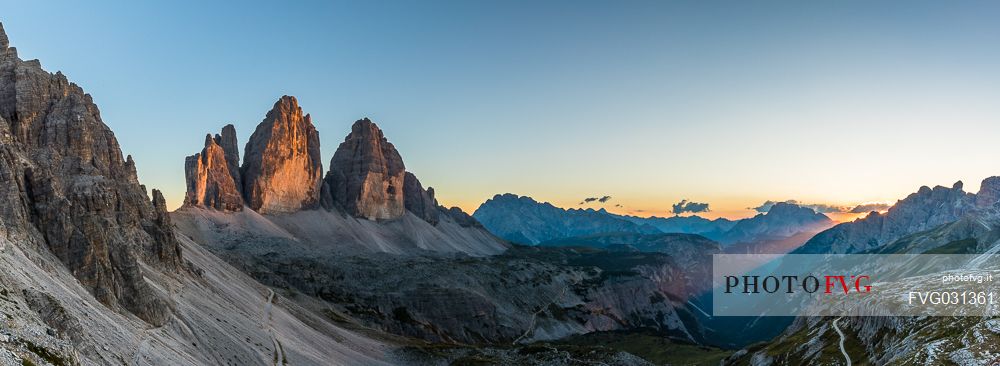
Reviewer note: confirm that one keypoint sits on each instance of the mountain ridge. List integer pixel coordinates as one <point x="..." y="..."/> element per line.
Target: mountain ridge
<point x="922" y="210"/>
<point x="522" y="219"/>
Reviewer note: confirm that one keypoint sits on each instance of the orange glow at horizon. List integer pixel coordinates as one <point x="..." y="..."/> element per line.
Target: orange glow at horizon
<point x="734" y="211"/>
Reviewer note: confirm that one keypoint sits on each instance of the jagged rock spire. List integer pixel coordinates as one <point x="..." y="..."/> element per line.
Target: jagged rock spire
<point x="209" y="174"/>
<point x="282" y="169"/>
<point x="4" y="42"/>
<point x="419" y="201"/>
<point x="232" y="150"/>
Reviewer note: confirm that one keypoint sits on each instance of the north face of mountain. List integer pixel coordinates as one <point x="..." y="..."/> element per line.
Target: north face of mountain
<point x="368" y="203"/>
<point x="282" y="170"/>
<point x="367" y="174"/>
<point x="67" y="188"/>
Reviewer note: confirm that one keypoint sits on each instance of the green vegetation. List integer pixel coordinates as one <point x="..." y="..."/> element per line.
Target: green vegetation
<point x="964" y="246"/>
<point x="788" y="349"/>
<point x="45" y="354"/>
<point x="474" y="360"/>
<point x="652" y="347"/>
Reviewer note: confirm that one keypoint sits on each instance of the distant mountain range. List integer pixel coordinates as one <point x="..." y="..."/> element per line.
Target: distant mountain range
<point x="939" y="220"/>
<point x="526" y="221"/>
<point x="923" y="210"/>
<point x="521" y="219"/>
<point x="683" y="224"/>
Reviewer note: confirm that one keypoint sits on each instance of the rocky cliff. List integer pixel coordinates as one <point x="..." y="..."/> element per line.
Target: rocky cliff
<point x="923" y="210"/>
<point x="419" y="201"/>
<point x="66" y="187"/>
<point x="989" y="193"/>
<point x="367" y="174"/>
<point x="213" y="177"/>
<point x="282" y="170"/>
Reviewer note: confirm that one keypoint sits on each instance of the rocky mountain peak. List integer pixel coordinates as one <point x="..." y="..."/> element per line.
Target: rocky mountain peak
<point x="68" y="188"/>
<point x="282" y="169"/>
<point x="791" y="209"/>
<point x="922" y="210"/>
<point x="209" y="174"/>
<point x="419" y="201"/>
<point x="227" y="140"/>
<point x="512" y="199"/>
<point x="4" y="42"/>
<point x="989" y="192"/>
<point x="367" y="174"/>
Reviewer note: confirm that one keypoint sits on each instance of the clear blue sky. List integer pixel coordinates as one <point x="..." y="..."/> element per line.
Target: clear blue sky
<point x="729" y="103"/>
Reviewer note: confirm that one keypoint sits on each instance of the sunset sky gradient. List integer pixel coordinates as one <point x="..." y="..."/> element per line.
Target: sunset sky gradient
<point x="729" y="103"/>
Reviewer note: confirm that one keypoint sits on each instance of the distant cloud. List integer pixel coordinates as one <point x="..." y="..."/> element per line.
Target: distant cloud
<point x="818" y="207"/>
<point x="869" y="207"/>
<point x="619" y="205"/>
<point x="688" y="206"/>
<point x="823" y="208"/>
<point x="602" y="199"/>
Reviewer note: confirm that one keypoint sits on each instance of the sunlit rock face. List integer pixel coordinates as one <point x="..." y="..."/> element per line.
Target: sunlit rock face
<point x="367" y="174"/>
<point x="282" y="170"/>
<point x="211" y="181"/>
<point x="65" y="186"/>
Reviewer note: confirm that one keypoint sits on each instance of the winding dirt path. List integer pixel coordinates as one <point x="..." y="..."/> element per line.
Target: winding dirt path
<point x="279" y="356"/>
<point x="534" y="317"/>
<point x="842" y="338"/>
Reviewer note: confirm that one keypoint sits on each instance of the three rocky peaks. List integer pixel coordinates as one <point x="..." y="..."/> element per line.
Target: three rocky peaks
<point x="282" y="170"/>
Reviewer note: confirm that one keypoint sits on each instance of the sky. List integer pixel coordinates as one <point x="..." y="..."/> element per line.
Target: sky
<point x="651" y="103"/>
